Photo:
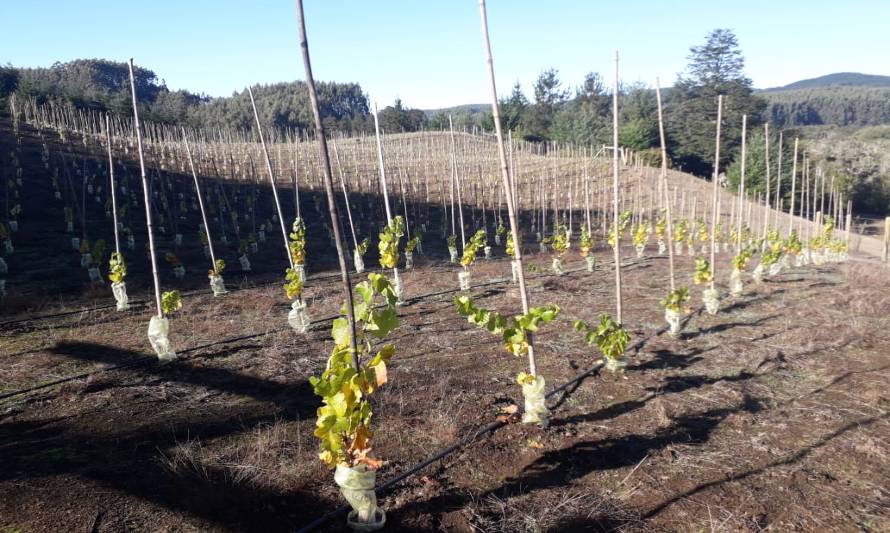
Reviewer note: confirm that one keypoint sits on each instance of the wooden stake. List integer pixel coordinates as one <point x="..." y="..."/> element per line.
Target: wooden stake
<point x="328" y="184"/>
<point x="668" y="215"/>
<point x="505" y="174"/>
<point x="793" y="188"/>
<point x="259" y="128"/>
<point x="617" y="247"/>
<point x="148" y="222"/>
<point x="117" y="242"/>
<point x="715" y="198"/>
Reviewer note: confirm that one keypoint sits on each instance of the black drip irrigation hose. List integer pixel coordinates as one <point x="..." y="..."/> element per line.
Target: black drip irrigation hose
<point x="132" y="303"/>
<point x="484" y="431"/>
<point x="148" y="360"/>
<point x="317" y="277"/>
<point x="137" y="303"/>
<point x="316" y="322"/>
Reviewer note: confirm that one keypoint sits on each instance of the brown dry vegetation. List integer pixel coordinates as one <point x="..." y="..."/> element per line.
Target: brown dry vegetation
<point x="772" y="415"/>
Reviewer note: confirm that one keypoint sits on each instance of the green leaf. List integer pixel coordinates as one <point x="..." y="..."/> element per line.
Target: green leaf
<point x="383" y="322"/>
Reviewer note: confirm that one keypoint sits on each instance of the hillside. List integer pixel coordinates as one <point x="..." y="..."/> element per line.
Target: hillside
<point x="103" y="85"/>
<point x="222" y="439"/>
<point x="471" y="109"/>
<point x="838" y="99"/>
<point x="846" y="79"/>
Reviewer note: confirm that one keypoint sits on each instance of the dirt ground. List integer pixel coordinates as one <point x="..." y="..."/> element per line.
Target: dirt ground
<point x="772" y="415"/>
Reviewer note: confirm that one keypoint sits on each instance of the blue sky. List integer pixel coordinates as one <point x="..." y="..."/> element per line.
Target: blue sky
<point x="429" y="52"/>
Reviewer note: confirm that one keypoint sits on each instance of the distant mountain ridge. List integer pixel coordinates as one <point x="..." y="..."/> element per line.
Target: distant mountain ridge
<point x="471" y="109"/>
<point x="837" y="79"/>
<point x="840" y="98"/>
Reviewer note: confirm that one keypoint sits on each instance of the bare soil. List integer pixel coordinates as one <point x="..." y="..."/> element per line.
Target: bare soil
<point x="771" y="415"/>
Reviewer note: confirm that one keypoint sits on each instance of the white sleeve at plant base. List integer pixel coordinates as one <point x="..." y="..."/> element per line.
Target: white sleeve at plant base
<point x="397" y="287"/>
<point x="297" y="317"/>
<point x="711" y="299"/>
<point x="757" y="275"/>
<point x="735" y="282"/>
<point x="218" y="286"/>
<point x="359" y="262"/>
<point x="463" y="278"/>
<point x="119" y="290"/>
<point x="357" y="486"/>
<point x="3" y="266"/>
<point x="514" y="267"/>
<point x="673" y="317"/>
<point x="158" y="330"/>
<point x="615" y="365"/>
<point x="535" y="406"/>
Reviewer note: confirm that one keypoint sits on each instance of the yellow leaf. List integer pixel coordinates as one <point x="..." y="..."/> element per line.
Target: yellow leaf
<point x="380" y="373"/>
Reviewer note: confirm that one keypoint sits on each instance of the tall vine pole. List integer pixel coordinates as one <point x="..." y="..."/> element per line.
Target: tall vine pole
<point x="259" y="128"/>
<point x="715" y="199"/>
<point x="328" y="183"/>
<point x="667" y="199"/>
<point x="505" y="174"/>
<point x="380" y="162"/>
<point x="615" y="172"/>
<point x="767" y="199"/>
<point x="738" y="246"/>
<point x="148" y="221"/>
<point x="188" y="152"/>
<point x="117" y="242"/>
<point x="793" y="188"/>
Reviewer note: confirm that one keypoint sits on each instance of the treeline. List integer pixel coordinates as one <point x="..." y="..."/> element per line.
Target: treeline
<point x="583" y="114"/>
<point x="580" y="114"/>
<point x="838" y="106"/>
<point x="105" y="86"/>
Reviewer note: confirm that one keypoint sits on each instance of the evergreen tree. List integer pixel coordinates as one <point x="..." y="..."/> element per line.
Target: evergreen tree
<point x="513" y="111"/>
<point x="714" y="68"/>
<point x="549" y="96"/>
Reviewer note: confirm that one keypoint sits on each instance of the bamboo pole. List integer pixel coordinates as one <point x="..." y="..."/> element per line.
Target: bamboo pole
<point x="259" y="128"/>
<point x="395" y="270"/>
<point x="767" y="196"/>
<point x="328" y="184"/>
<point x="117" y="242"/>
<point x="148" y="221"/>
<point x="715" y="207"/>
<point x="738" y="247"/>
<point x="793" y="188"/>
<point x="505" y="174"/>
<point x="345" y="195"/>
<point x="615" y="171"/>
<point x="188" y="151"/>
<point x="886" y="248"/>
<point x="668" y="215"/>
